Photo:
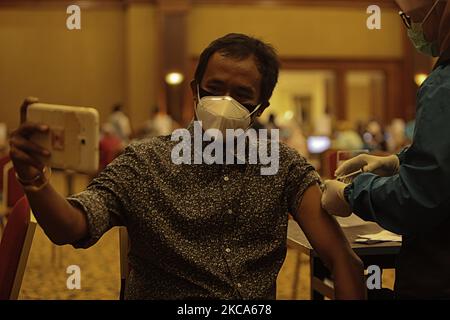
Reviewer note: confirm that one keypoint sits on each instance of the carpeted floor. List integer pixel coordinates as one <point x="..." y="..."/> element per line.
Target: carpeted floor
<point x="45" y="276"/>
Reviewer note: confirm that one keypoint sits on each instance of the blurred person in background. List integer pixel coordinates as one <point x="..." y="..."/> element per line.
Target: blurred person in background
<point x="396" y="136"/>
<point x="409" y="193"/>
<point x="293" y="137"/>
<point x="409" y="130"/>
<point x="159" y="124"/>
<point x="374" y="137"/>
<point x="346" y="137"/>
<point x="120" y="123"/>
<point x="323" y="125"/>
<point x="111" y="146"/>
<point x="360" y="128"/>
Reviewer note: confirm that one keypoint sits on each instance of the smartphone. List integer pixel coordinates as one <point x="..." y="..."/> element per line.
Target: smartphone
<point x="73" y="136"/>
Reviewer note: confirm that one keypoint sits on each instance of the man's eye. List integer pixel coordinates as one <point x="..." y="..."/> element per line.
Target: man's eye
<point x="207" y="92"/>
<point x="214" y="91"/>
<point x="244" y="96"/>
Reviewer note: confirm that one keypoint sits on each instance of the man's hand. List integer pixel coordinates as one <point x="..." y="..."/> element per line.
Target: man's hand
<point x="61" y="222"/>
<point x="333" y="200"/>
<point x="382" y="166"/>
<point x="25" y="154"/>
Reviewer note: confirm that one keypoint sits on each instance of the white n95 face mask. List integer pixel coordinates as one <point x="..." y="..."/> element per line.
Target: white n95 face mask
<point x="222" y="112"/>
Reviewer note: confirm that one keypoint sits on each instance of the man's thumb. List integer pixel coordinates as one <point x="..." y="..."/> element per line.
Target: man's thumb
<point x="370" y="167"/>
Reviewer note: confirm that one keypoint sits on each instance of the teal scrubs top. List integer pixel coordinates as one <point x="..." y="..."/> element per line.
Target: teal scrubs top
<point x="418" y="197"/>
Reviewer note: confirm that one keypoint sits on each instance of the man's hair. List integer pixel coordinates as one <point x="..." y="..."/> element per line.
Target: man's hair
<point x="240" y="46"/>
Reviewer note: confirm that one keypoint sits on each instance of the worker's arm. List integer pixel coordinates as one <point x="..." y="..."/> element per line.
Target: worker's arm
<point x="418" y="197"/>
<point x="328" y="240"/>
<point x="61" y="222"/>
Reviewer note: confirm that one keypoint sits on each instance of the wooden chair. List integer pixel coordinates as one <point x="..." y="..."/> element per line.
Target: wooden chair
<point x="329" y="164"/>
<point x="124" y="248"/>
<point x="3" y="161"/>
<point x="14" y="249"/>
<point x="11" y="193"/>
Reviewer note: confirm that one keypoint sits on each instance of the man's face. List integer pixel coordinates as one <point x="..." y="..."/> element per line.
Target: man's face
<point x="418" y="9"/>
<point x="239" y="79"/>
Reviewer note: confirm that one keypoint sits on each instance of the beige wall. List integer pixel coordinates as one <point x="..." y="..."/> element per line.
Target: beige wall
<point x="40" y="57"/>
<point x="113" y="57"/>
<point x="299" y="83"/>
<point x="300" y="31"/>
<point x="141" y="56"/>
<point x="358" y="104"/>
<point x="304" y="32"/>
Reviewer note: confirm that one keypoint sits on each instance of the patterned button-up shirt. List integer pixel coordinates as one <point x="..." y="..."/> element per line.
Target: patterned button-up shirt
<point x="197" y="231"/>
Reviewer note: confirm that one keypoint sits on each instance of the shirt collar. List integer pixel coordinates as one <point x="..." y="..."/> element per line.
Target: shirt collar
<point x="243" y="159"/>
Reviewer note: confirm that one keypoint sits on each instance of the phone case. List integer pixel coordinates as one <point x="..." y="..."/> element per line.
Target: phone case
<point x="73" y="137"/>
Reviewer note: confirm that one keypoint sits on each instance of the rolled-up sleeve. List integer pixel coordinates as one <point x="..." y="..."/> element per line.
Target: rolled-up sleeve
<point x="106" y="201"/>
<point x="418" y="197"/>
<point x="301" y="175"/>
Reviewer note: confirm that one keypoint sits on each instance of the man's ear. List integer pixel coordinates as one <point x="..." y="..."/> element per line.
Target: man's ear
<point x="193" y="85"/>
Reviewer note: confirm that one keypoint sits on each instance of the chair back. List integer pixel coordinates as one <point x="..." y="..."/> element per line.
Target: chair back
<point x="124" y="248"/>
<point x="3" y="161"/>
<point x="329" y="164"/>
<point x="12" y="190"/>
<point x="14" y="249"/>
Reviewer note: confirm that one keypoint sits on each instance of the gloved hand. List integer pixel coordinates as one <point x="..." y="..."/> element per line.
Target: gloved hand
<point x="382" y="166"/>
<point x="333" y="200"/>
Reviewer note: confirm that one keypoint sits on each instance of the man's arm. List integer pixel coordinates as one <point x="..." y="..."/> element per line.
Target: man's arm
<point x="328" y="240"/>
<point x="61" y="222"/>
<point x="83" y="218"/>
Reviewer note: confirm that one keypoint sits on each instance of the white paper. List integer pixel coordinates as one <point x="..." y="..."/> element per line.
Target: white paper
<point x="381" y="236"/>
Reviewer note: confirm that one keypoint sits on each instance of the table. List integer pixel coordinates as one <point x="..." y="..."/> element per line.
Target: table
<point x="382" y="254"/>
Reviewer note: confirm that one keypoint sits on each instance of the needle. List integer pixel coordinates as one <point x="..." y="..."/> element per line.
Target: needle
<point x="340" y="178"/>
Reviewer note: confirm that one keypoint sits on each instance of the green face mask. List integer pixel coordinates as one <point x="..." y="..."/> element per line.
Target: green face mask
<point x="417" y="37"/>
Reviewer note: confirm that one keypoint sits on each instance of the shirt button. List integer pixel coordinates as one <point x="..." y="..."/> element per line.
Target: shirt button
<point x="230" y="211"/>
<point x="239" y="285"/>
<point x="228" y="250"/>
<point x="226" y="178"/>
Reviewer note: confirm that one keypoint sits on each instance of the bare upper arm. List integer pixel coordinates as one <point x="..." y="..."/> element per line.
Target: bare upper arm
<point x="322" y="230"/>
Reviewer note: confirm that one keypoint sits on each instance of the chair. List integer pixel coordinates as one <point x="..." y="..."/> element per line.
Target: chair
<point x="14" y="249"/>
<point x="124" y="248"/>
<point x="12" y="191"/>
<point x="110" y="147"/>
<point x="3" y="161"/>
<point x="329" y="163"/>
